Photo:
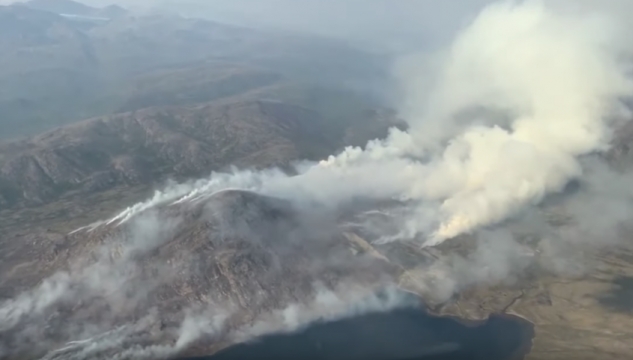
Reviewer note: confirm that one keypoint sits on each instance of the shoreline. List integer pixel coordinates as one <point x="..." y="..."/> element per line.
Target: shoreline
<point x="528" y="328"/>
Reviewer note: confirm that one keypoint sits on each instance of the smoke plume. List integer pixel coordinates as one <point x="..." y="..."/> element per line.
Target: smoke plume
<point x="556" y="80"/>
<point x="522" y="94"/>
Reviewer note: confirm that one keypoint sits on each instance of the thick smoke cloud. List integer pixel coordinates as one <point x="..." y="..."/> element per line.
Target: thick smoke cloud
<point x="516" y="109"/>
<point x="522" y="94"/>
<point x="557" y="80"/>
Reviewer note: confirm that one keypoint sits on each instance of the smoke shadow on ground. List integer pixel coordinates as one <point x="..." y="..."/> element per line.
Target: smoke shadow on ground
<point x="402" y="334"/>
<point x="621" y="297"/>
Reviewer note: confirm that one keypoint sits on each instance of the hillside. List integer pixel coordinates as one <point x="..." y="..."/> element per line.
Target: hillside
<point x="150" y="145"/>
<point x="235" y="250"/>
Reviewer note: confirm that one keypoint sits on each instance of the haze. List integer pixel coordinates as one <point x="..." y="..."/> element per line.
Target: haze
<point x="398" y="25"/>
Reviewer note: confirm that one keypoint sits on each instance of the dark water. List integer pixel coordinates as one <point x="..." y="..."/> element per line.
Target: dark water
<point x="405" y="334"/>
<point x="620" y="298"/>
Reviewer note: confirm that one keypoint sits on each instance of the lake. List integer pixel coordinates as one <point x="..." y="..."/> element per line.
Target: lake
<point x="401" y="334"/>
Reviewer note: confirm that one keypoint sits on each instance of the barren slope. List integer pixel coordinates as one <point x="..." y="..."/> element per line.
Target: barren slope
<point x="142" y="147"/>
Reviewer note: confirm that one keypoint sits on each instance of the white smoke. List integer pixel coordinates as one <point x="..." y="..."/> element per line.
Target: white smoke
<point x="134" y="341"/>
<point x="555" y="78"/>
<point x="108" y="281"/>
<point x="558" y="80"/>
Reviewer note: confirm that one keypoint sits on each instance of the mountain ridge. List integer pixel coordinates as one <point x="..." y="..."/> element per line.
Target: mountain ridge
<point x="74" y="8"/>
<point x="154" y="143"/>
<point x="55" y="70"/>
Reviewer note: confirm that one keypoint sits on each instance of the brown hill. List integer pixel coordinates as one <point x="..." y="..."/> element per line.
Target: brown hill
<point x="146" y="146"/>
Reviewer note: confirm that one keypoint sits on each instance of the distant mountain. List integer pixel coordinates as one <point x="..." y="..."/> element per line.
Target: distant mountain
<point x="22" y="27"/>
<point x="74" y="8"/>
<point x="113" y="11"/>
<point x="55" y="70"/>
<point x="60" y="6"/>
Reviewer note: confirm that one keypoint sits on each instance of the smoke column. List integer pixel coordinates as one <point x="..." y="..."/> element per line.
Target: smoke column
<point x="521" y="94"/>
<point x="556" y="80"/>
